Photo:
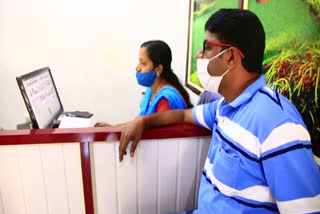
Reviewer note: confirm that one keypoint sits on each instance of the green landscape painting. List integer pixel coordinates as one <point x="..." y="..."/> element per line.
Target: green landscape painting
<point x="292" y="55"/>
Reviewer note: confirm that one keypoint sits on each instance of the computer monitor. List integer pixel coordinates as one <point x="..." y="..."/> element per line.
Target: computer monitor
<point x="41" y="97"/>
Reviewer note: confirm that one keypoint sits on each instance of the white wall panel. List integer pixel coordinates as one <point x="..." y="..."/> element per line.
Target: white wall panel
<point x="11" y="191"/>
<point x="147" y="176"/>
<point x="41" y="179"/>
<point x="167" y="175"/>
<point x="33" y="179"/>
<point x="187" y="173"/>
<point x="163" y="176"/>
<point x="54" y="178"/>
<point x="72" y="160"/>
<point x="1" y="204"/>
<point x="105" y="177"/>
<point x="126" y="183"/>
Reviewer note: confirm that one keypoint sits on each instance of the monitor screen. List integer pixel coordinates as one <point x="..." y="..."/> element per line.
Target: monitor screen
<point x="41" y="97"/>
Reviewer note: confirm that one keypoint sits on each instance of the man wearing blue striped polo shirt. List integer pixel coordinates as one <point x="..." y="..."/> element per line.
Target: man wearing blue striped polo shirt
<point x="260" y="158"/>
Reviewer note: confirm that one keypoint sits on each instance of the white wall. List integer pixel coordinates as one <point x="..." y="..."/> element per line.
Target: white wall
<point x="92" y="50"/>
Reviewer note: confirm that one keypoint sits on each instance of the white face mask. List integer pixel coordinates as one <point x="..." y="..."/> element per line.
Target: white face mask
<point x="210" y="83"/>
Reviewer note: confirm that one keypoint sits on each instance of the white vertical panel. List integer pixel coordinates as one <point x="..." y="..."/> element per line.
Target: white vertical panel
<point x="167" y="172"/>
<point x="11" y="198"/>
<point x="127" y="182"/>
<point x="163" y="176"/>
<point x="33" y="180"/>
<point x="54" y="178"/>
<point x="147" y="169"/>
<point x="204" y="143"/>
<point x="105" y="177"/>
<point x="1" y="203"/>
<point x="72" y="160"/>
<point x="186" y="180"/>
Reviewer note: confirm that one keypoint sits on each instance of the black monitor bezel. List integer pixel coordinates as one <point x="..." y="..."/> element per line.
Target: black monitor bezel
<point x="20" y="80"/>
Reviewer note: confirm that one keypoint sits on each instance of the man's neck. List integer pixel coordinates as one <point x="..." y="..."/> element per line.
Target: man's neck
<point x="237" y="87"/>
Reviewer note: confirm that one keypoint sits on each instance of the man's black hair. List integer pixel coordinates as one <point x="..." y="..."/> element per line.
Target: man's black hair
<point x="243" y="30"/>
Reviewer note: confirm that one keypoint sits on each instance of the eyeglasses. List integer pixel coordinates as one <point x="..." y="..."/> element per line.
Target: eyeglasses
<point x="205" y="42"/>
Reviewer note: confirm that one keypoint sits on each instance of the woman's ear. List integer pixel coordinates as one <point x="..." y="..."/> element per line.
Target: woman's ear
<point x="158" y="70"/>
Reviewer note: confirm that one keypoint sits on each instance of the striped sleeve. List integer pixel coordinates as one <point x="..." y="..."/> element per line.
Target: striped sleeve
<point x="204" y="115"/>
<point x="290" y="170"/>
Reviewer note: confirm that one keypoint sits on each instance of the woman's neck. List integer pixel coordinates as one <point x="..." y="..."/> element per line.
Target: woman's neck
<point x="157" y="85"/>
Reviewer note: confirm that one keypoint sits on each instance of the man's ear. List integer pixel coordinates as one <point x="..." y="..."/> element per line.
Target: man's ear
<point x="233" y="57"/>
<point x="158" y="70"/>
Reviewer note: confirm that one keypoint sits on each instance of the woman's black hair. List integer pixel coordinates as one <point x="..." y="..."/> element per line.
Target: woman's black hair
<point x="160" y="53"/>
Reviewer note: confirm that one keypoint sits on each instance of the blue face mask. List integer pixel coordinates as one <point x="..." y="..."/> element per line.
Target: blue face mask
<point x="146" y="79"/>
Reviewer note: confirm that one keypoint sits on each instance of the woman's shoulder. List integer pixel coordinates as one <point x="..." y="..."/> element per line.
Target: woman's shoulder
<point x="170" y="92"/>
<point x="163" y="105"/>
<point x="169" y="89"/>
<point x="174" y="97"/>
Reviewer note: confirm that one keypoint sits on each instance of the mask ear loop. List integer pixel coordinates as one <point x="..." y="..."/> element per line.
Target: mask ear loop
<point x="219" y="54"/>
<point x="232" y="54"/>
<point x="225" y="72"/>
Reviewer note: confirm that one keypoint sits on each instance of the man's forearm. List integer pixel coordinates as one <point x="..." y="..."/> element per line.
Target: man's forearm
<point x="166" y="118"/>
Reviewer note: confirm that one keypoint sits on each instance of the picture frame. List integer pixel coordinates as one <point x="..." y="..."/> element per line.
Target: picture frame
<point x="291" y="55"/>
<point x="291" y="52"/>
<point x="199" y="12"/>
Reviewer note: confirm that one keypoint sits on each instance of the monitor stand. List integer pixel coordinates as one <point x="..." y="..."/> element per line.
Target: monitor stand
<point x="56" y="125"/>
<point x="29" y="125"/>
<point x="24" y="126"/>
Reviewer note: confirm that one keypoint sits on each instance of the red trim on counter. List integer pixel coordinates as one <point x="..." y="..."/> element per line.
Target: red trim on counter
<point x="86" y="177"/>
<point x="46" y="136"/>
